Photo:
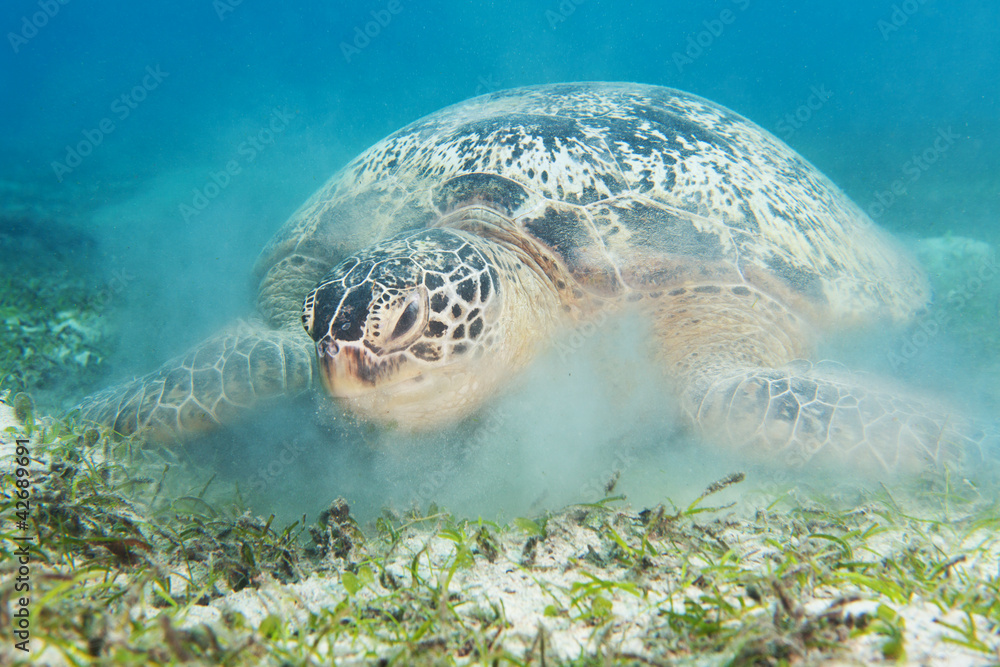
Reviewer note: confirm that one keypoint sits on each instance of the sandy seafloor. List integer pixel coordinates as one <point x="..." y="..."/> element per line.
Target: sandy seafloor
<point x="136" y="282"/>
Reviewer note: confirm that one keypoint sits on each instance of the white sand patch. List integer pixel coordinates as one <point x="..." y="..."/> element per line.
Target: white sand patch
<point x="10" y="431"/>
<point x="555" y="593"/>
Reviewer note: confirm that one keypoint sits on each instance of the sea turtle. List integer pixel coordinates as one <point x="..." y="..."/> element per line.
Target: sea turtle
<point x="436" y="264"/>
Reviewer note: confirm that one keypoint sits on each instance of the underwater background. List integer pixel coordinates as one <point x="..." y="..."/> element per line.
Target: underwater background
<point x="119" y="121"/>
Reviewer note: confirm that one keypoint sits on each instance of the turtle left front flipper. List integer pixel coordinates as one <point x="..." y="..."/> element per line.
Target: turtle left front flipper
<point x="208" y="386"/>
<point x="738" y="358"/>
<point x="799" y="415"/>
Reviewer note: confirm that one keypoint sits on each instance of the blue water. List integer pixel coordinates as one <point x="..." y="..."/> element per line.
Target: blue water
<point x="162" y="97"/>
<point x="892" y="87"/>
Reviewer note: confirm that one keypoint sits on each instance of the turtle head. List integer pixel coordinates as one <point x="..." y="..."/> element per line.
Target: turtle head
<point x="406" y="331"/>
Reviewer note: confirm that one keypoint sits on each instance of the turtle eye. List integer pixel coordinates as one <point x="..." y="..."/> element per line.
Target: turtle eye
<point x="407" y="319"/>
<point x="410" y="321"/>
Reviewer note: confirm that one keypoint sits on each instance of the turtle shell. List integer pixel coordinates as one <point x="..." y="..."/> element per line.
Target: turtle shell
<point x="631" y="188"/>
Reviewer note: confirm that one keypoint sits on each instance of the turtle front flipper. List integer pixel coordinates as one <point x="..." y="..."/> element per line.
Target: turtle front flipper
<point x="737" y="356"/>
<point x="799" y="414"/>
<point x="210" y="385"/>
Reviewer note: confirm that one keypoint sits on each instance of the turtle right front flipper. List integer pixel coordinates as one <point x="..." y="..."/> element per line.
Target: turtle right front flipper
<point x="210" y="385"/>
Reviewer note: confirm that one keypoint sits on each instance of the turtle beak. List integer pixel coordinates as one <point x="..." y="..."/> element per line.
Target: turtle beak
<point x="344" y="367"/>
<point x="349" y="369"/>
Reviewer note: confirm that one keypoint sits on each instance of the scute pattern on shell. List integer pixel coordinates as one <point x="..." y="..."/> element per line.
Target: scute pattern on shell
<point x="661" y="183"/>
